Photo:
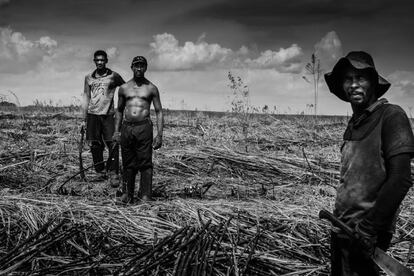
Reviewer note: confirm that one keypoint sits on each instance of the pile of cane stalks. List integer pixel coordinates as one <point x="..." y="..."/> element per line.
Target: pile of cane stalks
<point x="56" y="235"/>
<point x="53" y="235"/>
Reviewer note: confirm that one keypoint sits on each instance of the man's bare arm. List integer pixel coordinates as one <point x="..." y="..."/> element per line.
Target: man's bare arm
<point x="120" y="110"/>
<point x="158" y="111"/>
<point x="86" y="98"/>
<point x="160" y="118"/>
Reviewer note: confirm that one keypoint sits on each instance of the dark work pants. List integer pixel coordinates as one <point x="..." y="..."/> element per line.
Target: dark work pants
<point x="348" y="260"/>
<point x="136" y="149"/>
<point x="99" y="131"/>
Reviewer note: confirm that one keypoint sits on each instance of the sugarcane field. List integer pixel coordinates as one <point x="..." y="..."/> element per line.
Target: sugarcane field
<point x="233" y="195"/>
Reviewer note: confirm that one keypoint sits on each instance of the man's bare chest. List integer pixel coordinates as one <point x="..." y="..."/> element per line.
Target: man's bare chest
<point x="136" y="92"/>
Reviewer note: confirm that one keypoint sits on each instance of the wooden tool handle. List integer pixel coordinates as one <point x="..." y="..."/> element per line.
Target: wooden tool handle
<point x="323" y="214"/>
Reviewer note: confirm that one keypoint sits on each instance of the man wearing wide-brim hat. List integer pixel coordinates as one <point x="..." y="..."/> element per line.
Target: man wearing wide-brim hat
<point x="375" y="165"/>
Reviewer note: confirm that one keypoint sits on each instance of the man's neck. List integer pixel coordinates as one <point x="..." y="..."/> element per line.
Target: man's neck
<point x="358" y="110"/>
<point x="102" y="71"/>
<point x="140" y="80"/>
<point x="371" y="108"/>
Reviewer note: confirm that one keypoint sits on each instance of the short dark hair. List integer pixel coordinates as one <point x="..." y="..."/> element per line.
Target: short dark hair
<point x="100" y="53"/>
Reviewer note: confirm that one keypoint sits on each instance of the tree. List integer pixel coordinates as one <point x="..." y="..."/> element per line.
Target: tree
<point x="314" y="68"/>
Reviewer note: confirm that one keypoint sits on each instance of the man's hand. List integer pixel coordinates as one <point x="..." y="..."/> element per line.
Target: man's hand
<point x="116" y="138"/>
<point x="157" y="142"/>
<point x="366" y="238"/>
<point x="83" y="123"/>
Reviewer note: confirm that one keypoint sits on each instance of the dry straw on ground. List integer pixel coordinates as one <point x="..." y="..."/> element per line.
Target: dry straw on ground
<point x="219" y="210"/>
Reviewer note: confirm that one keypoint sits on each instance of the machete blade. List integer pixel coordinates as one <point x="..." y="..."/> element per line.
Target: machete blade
<point x="387" y="263"/>
<point x="390" y="265"/>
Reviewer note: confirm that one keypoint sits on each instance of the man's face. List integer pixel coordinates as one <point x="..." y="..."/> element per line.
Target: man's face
<point x="139" y="69"/>
<point x="100" y="62"/>
<point x="358" y="87"/>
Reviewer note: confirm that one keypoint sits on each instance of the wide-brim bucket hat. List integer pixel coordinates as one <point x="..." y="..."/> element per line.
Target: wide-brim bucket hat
<point x="359" y="60"/>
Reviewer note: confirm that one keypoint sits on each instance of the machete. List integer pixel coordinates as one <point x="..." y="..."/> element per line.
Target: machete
<point x="387" y="263"/>
<point x="81" y="170"/>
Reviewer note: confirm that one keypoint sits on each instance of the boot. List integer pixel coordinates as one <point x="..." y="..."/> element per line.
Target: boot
<point x="131" y="187"/>
<point x="97" y="156"/>
<point x="112" y="164"/>
<point x="145" y="185"/>
<point x="123" y="198"/>
<point x="128" y="188"/>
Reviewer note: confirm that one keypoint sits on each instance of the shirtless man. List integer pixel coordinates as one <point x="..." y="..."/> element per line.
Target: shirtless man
<point x="136" y="138"/>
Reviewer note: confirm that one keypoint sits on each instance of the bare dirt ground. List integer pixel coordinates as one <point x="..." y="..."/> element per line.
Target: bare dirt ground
<point x="226" y="203"/>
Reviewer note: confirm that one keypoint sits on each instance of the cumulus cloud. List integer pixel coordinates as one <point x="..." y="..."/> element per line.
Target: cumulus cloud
<point x="284" y="60"/>
<point x="243" y="51"/>
<point x="112" y="52"/>
<point x="168" y="54"/>
<point x="47" y="44"/>
<point x="404" y="80"/>
<point x="329" y="50"/>
<point x="68" y="58"/>
<point x="18" y="54"/>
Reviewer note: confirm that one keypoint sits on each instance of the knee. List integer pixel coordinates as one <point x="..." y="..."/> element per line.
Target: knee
<point x="130" y="170"/>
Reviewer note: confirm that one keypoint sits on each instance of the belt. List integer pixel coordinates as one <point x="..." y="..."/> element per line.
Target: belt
<point x="137" y="123"/>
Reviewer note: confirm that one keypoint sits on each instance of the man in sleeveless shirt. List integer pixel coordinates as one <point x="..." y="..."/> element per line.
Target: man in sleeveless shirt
<point x="375" y="165"/>
<point x="98" y="110"/>
<point x="136" y="134"/>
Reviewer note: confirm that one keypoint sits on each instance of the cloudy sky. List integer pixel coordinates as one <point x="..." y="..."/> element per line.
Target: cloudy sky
<point x="46" y="48"/>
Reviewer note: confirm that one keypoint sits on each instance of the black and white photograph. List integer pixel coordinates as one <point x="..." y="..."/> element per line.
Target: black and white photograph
<point x="221" y="137"/>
